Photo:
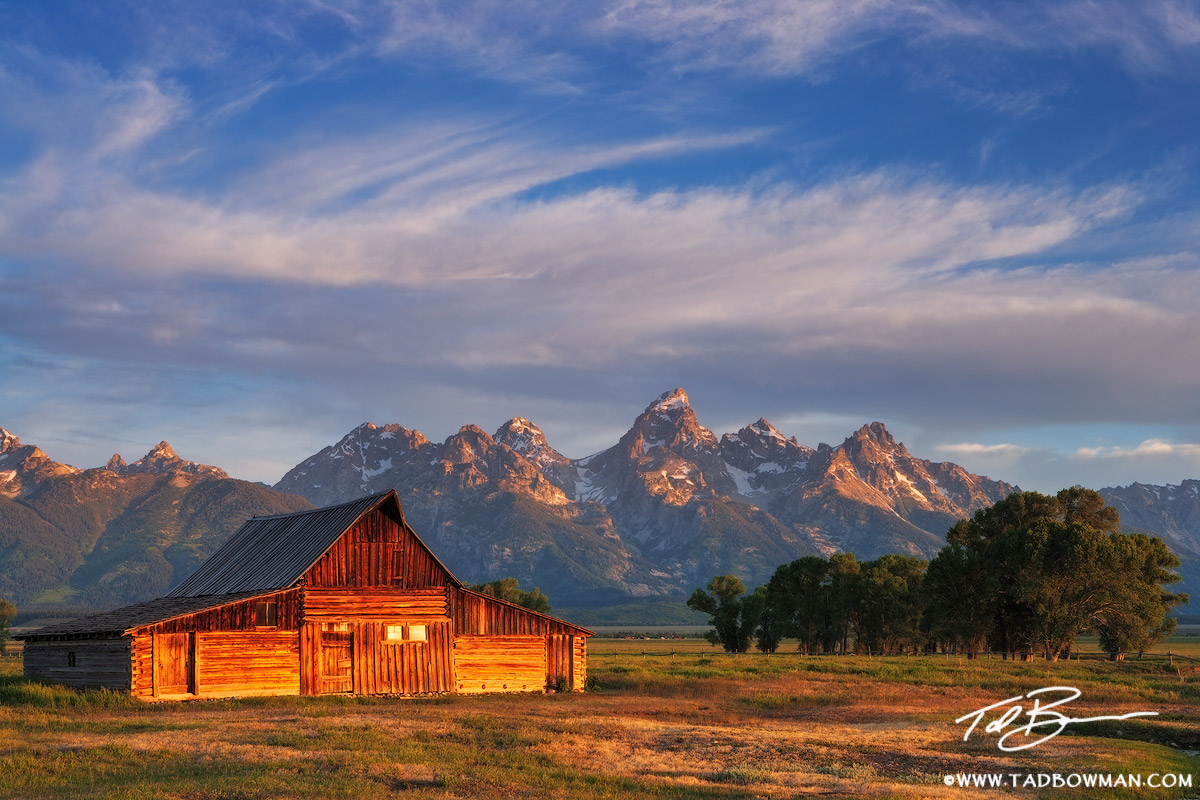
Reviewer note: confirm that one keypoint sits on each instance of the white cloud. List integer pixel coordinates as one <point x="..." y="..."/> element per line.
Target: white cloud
<point x="976" y="449"/>
<point x="1150" y="447"/>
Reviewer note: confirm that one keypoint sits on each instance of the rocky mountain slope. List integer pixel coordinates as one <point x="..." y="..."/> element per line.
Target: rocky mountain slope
<point x="658" y="513"/>
<point x="654" y="516"/>
<point x="1171" y="512"/>
<point x="116" y="534"/>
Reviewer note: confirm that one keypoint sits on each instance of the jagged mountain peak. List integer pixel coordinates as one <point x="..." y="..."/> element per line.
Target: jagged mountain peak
<point x="369" y="432"/>
<point x="24" y="467"/>
<point x="10" y="445"/>
<point x="762" y="461"/>
<point x="163" y="451"/>
<point x="162" y="460"/>
<point x="526" y="438"/>
<point x="8" y="441"/>
<point x="669" y="425"/>
<point x="767" y="429"/>
<point x="476" y="433"/>
<point x="875" y="431"/>
<point x="674" y="400"/>
<point x="520" y="434"/>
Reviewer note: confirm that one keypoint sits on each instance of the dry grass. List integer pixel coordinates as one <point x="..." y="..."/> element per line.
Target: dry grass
<point x="697" y="724"/>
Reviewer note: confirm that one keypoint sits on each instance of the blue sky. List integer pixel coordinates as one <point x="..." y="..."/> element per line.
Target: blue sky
<point x="246" y="228"/>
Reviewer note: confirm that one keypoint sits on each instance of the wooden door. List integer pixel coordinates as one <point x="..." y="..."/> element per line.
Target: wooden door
<point x="174" y="665"/>
<point x="337" y="662"/>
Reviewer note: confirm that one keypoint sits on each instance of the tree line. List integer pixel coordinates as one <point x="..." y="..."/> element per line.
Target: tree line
<point x="1027" y="575"/>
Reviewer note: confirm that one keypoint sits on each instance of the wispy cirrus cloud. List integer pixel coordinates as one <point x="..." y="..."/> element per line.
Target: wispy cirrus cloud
<point x="787" y="38"/>
<point x="313" y="209"/>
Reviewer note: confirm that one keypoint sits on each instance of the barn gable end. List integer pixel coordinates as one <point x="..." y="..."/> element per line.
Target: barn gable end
<point x="345" y="599"/>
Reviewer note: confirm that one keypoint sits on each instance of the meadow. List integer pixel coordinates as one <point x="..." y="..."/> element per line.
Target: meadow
<point x="669" y="719"/>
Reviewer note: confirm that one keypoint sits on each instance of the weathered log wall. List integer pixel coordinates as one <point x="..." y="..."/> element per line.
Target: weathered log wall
<point x="98" y="663"/>
<point x="215" y="664"/>
<point x="500" y="664"/>
<point x="380" y="603"/>
<point x="241" y="664"/>
<point x="579" y="666"/>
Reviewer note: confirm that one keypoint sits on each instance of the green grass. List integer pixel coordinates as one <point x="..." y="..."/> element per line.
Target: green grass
<point x="671" y="720"/>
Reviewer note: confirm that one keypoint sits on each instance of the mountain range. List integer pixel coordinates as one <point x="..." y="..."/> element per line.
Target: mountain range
<point x="654" y="516"/>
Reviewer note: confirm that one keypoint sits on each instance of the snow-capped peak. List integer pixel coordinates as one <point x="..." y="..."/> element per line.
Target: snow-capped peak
<point x="765" y="428"/>
<point x="162" y="451"/>
<point x="8" y="441"/>
<point x="669" y="401"/>
<point x="162" y="460"/>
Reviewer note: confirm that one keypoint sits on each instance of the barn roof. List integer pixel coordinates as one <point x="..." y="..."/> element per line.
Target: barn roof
<point x="120" y="621"/>
<point x="274" y="552"/>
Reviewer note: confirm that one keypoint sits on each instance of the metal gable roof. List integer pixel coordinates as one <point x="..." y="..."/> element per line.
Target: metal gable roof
<point x="269" y="553"/>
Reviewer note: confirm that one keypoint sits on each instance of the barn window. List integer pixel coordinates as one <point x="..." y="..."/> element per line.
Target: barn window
<point x="70" y="659"/>
<point x="406" y="633"/>
<point x="264" y="614"/>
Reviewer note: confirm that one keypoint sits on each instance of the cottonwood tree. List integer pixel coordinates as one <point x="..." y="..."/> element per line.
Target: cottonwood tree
<point x="1141" y="617"/>
<point x="799" y="593"/>
<point x="839" y="590"/>
<point x="762" y="611"/>
<point x="960" y="598"/>
<point x="1052" y="568"/>
<point x="889" y="604"/>
<point x="732" y="626"/>
<point x="510" y="589"/>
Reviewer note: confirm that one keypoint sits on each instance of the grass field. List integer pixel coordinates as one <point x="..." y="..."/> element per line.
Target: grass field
<point x="671" y="719"/>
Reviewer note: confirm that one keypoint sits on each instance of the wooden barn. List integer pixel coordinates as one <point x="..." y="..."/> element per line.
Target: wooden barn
<point x="344" y="599"/>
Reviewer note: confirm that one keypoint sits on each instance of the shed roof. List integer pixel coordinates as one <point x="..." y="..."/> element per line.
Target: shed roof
<point x="120" y="621"/>
<point x="274" y="552"/>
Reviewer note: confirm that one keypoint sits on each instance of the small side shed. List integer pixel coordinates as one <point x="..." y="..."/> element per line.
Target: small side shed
<point x="344" y="599"/>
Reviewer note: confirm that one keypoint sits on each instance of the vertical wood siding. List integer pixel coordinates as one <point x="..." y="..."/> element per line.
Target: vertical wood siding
<point x="479" y="615"/>
<point x="357" y="657"/>
<point x="377" y="551"/>
<point x="99" y="663"/>
<point x="559" y="663"/>
<point x="174" y="669"/>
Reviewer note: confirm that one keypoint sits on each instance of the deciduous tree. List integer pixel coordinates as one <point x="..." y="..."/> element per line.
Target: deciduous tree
<point x="510" y="589"/>
<point x="732" y="629"/>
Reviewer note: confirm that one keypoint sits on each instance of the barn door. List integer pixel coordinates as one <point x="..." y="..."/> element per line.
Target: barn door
<point x="174" y="665"/>
<point x="337" y="659"/>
